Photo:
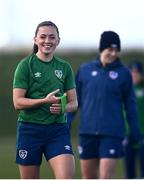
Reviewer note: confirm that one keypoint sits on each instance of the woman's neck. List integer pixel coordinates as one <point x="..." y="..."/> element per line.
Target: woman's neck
<point x="44" y="57"/>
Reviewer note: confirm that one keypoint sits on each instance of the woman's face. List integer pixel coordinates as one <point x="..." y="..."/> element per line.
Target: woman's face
<point x="109" y="55"/>
<point x="47" y="40"/>
<point x="136" y="76"/>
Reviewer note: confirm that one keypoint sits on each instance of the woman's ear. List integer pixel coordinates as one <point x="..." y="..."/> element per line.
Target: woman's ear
<point x="58" y="41"/>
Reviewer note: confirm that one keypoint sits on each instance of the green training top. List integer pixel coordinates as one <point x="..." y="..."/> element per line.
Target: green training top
<point x="40" y="78"/>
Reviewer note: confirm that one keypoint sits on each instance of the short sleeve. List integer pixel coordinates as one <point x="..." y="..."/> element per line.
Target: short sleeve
<point x="69" y="79"/>
<point x="21" y="76"/>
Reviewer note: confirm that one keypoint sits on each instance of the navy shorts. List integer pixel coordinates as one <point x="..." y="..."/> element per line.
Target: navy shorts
<point x="35" y="140"/>
<point x="100" y="146"/>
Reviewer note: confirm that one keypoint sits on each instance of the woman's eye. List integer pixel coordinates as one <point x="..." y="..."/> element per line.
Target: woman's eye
<point x="42" y="37"/>
<point x="52" y="37"/>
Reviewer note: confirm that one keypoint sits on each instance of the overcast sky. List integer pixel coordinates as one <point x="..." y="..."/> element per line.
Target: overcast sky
<point x="80" y="22"/>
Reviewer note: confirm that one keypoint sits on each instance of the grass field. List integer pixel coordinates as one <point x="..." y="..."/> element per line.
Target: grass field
<point x="8" y="116"/>
<point x="9" y="169"/>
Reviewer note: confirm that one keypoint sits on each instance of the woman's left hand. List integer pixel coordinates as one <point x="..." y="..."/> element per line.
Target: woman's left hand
<point x="55" y="108"/>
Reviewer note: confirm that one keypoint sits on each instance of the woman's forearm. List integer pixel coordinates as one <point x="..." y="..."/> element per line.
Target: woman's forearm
<point x="72" y="106"/>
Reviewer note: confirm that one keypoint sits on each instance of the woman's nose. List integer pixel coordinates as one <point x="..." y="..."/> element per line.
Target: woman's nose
<point x="46" y="39"/>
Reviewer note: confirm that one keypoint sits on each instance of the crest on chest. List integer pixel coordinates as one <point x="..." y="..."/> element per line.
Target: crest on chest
<point x="58" y="74"/>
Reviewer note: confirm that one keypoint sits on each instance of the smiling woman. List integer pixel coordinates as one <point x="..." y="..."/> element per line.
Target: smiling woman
<point x="46" y="40"/>
<point x="41" y="81"/>
<point x="105" y="91"/>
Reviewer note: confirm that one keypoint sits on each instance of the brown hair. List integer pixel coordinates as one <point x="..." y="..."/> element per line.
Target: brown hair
<point x="44" y="23"/>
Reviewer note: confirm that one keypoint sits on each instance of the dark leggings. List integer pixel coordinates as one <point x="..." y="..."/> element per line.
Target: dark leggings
<point x="134" y="156"/>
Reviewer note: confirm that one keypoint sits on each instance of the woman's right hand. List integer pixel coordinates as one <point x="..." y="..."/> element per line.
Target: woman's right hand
<point x="51" y="98"/>
<point x="22" y="102"/>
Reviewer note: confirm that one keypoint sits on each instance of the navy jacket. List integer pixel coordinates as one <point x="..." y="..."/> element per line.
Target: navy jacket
<point x="103" y="94"/>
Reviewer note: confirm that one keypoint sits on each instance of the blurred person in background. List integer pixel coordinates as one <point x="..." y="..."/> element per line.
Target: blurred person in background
<point x="40" y="82"/>
<point x="134" y="152"/>
<point x="104" y="86"/>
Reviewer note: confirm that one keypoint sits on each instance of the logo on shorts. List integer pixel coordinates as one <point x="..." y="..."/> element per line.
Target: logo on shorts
<point x="23" y="154"/>
<point x="67" y="147"/>
<point x="112" y="151"/>
<point x="80" y="149"/>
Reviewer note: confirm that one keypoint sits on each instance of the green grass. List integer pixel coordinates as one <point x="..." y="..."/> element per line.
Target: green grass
<point x="9" y="169"/>
<point x="8" y="118"/>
